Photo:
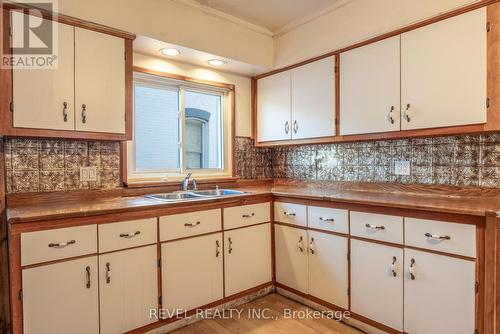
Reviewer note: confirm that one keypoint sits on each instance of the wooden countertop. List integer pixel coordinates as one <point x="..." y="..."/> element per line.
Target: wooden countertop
<point x="437" y="199"/>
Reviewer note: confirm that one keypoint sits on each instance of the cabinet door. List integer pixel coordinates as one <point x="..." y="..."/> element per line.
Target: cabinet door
<point x="128" y="289"/>
<point x="328" y="268"/>
<point x="375" y="292"/>
<point x="291" y="257"/>
<point x="441" y="297"/>
<point x="61" y="298"/>
<point x="313" y="99"/>
<point x="99" y="82"/>
<point x="273" y="108"/>
<point x="42" y="97"/>
<point x="370" y="88"/>
<point x="192" y="274"/>
<point x="247" y="258"/>
<point x="443" y="73"/>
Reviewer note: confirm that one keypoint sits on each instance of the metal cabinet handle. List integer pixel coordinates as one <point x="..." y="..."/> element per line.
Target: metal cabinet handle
<point x="65" y="111"/>
<point x="328" y="220"/>
<point x="411" y="269"/>
<point x="311" y="246"/>
<point x="300" y="244"/>
<point x="287" y="127"/>
<point x="389" y="116"/>
<point x="406" y="113"/>
<point x="289" y="213"/>
<point x="192" y="224"/>
<point x="375" y="227"/>
<point x="84" y="113"/>
<point x="87" y="275"/>
<point x="437" y="236"/>
<point x="62" y="244"/>
<point x="230" y="249"/>
<point x="129" y="235"/>
<point x="217" y="248"/>
<point x="108" y="273"/>
<point x="393" y="266"/>
<point x="295" y="127"/>
<point x="248" y="215"/>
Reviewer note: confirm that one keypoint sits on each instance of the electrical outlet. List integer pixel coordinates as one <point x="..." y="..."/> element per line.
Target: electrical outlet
<point x="402" y="167"/>
<point x="88" y="174"/>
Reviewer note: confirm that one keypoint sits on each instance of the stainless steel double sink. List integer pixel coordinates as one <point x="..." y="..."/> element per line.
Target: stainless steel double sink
<point x="179" y="196"/>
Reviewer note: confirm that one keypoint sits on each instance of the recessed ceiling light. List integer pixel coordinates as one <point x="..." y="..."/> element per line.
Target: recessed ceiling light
<point x="216" y="62"/>
<point x="170" y="52"/>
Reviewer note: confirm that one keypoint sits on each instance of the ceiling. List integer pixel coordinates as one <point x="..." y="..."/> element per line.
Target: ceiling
<point x="271" y="14"/>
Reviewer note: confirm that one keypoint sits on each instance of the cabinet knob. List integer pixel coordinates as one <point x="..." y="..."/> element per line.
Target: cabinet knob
<point x="84" y="113"/>
<point x="287" y="127"/>
<point x="295" y="127"/>
<point x="390" y="118"/>
<point x="407" y="113"/>
<point x="65" y="111"/>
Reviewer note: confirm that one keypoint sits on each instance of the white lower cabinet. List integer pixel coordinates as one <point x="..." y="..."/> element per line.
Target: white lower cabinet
<point x="192" y="272"/>
<point x="247" y="259"/>
<point x="439" y="294"/>
<point x="314" y="263"/>
<point x="291" y="257"/>
<point x="128" y="289"/>
<point x="328" y="268"/>
<point x="61" y="298"/>
<point x="377" y="282"/>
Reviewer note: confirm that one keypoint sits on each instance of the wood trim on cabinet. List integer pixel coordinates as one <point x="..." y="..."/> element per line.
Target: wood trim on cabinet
<point x="69" y="20"/>
<point x="491" y="297"/>
<point x="6" y="87"/>
<point x="493" y="86"/>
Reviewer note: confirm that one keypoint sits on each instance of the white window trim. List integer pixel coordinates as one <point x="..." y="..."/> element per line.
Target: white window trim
<point x="226" y="133"/>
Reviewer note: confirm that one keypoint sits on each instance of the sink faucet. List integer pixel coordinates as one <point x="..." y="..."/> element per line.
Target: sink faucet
<point x="185" y="182"/>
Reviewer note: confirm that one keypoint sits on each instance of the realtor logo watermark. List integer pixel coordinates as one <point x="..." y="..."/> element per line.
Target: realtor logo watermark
<point x="33" y="36"/>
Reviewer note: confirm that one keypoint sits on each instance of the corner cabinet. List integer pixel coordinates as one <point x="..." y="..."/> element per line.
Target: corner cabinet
<point x="88" y="94"/>
<point x="298" y="104"/>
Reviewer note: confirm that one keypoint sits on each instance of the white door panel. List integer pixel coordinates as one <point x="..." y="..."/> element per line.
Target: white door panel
<point x="273" y="108"/>
<point x="313" y="99"/>
<point x="441" y="297"/>
<point x="370" y="88"/>
<point x="443" y="72"/>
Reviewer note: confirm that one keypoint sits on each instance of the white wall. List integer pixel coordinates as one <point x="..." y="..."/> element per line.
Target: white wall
<point x="354" y="21"/>
<point x="242" y="85"/>
<point x="178" y="23"/>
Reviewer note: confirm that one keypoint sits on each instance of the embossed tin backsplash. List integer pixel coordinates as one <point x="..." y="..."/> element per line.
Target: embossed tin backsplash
<point x="42" y="165"/>
<point x="454" y="160"/>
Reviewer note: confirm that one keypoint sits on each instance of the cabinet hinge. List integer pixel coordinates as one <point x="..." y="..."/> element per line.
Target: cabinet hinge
<point x="487" y="102"/>
<point x="476" y="287"/>
<point x="488" y="26"/>
<point x="11" y="106"/>
<point x="21" y="295"/>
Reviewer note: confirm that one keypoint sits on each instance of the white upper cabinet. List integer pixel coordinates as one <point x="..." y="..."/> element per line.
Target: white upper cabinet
<point x="273" y="107"/>
<point x="369" y="88"/>
<point x="443" y="73"/>
<point x="313" y="99"/>
<point x="99" y="82"/>
<point x="44" y="98"/>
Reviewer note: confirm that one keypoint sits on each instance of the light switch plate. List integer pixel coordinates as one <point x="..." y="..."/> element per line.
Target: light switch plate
<point x="402" y="167"/>
<point x="88" y="174"/>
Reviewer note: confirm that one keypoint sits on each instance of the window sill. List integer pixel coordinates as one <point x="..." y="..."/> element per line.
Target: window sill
<point x="201" y="181"/>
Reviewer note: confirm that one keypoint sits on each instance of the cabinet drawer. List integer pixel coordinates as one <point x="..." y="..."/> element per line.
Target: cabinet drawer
<point x="50" y="245"/>
<point x="329" y="219"/>
<point x="127" y="234"/>
<point x="245" y="215"/>
<point x="441" y="236"/>
<point x="379" y="227"/>
<point x="189" y="224"/>
<point x="290" y="213"/>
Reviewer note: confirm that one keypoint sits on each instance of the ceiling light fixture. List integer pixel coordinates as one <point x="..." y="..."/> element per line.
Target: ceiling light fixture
<point x="170" y="52"/>
<point x="216" y="62"/>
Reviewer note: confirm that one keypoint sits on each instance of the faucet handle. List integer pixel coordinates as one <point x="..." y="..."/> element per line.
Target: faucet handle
<point x="195" y="185"/>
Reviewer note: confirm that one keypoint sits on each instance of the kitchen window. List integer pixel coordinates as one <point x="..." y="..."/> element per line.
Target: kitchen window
<point x="179" y="127"/>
